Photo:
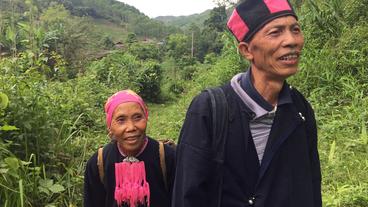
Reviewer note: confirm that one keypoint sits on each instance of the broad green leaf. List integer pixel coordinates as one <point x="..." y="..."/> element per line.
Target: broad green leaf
<point x="12" y="162"/>
<point x="46" y="183"/>
<point x="4" y="100"/>
<point x="44" y="190"/>
<point x="8" y="128"/>
<point x="57" y="188"/>
<point x="3" y="170"/>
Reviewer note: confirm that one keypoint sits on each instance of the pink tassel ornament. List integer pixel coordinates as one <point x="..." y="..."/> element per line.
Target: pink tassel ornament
<point x="131" y="185"/>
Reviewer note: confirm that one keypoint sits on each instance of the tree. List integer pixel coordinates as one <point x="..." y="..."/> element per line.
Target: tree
<point x="71" y="35"/>
<point x="226" y="3"/>
<point x="131" y="38"/>
<point x="217" y="19"/>
<point x="178" y="45"/>
<point x="210" y="38"/>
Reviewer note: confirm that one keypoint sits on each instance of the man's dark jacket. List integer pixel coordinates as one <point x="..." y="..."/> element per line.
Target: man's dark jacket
<point x="289" y="175"/>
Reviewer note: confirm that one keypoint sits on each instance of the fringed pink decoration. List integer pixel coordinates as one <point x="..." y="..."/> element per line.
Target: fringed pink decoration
<point x="131" y="185"/>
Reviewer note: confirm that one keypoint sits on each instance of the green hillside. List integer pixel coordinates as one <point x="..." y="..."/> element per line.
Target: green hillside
<point x="115" y="13"/>
<point x="184" y="22"/>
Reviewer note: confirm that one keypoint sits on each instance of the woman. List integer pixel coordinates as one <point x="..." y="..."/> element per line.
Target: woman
<point x="129" y="171"/>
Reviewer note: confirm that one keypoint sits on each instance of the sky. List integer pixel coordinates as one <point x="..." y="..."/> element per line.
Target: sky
<point x="154" y="8"/>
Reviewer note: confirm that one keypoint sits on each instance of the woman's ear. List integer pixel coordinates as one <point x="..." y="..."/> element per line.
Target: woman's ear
<point x="244" y="49"/>
<point x="110" y="134"/>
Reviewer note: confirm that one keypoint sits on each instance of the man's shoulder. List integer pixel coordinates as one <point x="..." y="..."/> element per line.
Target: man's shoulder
<point x="203" y="97"/>
<point x="301" y="103"/>
<point x="202" y="101"/>
<point x="297" y="96"/>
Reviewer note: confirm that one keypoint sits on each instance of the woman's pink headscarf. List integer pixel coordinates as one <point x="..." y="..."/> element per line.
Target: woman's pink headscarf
<point x="119" y="98"/>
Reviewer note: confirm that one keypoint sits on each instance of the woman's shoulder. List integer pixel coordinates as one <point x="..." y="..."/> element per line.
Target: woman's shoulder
<point x="153" y="146"/>
<point x="106" y="149"/>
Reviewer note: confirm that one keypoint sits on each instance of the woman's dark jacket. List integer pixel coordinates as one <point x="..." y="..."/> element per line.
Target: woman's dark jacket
<point x="97" y="194"/>
<point x="289" y="175"/>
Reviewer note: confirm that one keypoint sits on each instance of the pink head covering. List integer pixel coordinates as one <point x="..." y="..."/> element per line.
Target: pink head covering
<point x="119" y="98"/>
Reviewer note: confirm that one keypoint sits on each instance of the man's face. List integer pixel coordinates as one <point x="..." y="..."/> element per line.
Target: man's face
<point x="275" y="50"/>
<point x="128" y="127"/>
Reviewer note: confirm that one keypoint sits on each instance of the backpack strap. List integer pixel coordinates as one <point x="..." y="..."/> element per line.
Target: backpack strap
<point x="220" y="121"/>
<point x="100" y="164"/>
<point x="220" y="124"/>
<point x="163" y="162"/>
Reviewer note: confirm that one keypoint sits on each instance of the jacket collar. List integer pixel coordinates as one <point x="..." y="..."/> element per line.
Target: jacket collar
<point x="242" y="85"/>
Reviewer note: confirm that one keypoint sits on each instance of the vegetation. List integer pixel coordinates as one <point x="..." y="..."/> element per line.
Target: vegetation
<point x="59" y="61"/>
<point x="184" y="22"/>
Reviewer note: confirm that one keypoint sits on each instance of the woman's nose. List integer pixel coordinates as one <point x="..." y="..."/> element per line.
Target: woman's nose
<point x="130" y="125"/>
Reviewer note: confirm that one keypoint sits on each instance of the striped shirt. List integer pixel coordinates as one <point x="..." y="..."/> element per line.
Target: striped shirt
<point x="263" y="112"/>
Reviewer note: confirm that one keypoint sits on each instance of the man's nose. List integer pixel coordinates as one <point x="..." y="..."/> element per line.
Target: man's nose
<point x="291" y="39"/>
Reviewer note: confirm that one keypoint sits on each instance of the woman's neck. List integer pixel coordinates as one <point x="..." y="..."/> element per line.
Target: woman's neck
<point x="134" y="153"/>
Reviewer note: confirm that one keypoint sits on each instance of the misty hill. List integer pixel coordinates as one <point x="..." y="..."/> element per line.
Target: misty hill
<point x="115" y="16"/>
<point x="121" y="14"/>
<point x="184" y="22"/>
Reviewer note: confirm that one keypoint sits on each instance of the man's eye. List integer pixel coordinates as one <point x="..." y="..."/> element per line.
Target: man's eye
<point x="296" y="30"/>
<point x="274" y="32"/>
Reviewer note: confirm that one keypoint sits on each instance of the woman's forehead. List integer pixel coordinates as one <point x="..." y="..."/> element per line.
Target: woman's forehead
<point x="128" y="108"/>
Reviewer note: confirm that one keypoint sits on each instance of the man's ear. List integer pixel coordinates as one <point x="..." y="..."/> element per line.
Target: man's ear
<point x="244" y="49"/>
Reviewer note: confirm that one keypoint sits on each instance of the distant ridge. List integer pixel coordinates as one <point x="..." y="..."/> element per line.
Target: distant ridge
<point x="185" y="21"/>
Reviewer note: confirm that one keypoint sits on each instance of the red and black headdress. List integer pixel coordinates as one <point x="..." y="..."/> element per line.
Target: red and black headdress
<point x="251" y="15"/>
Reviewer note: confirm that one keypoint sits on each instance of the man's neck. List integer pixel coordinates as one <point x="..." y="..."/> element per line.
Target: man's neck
<point x="267" y="87"/>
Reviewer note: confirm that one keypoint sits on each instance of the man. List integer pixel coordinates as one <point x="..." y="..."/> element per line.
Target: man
<point x="270" y="154"/>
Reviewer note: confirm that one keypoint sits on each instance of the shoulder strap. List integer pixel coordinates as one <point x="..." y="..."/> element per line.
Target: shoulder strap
<point x="100" y="164"/>
<point x="163" y="162"/>
<point x="220" y="119"/>
<point x="220" y="124"/>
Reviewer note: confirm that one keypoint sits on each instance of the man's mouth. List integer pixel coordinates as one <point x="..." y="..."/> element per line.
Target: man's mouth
<point x="289" y="57"/>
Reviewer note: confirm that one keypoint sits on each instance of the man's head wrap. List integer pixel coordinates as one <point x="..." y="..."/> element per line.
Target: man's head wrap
<point x="119" y="98"/>
<point x="251" y="15"/>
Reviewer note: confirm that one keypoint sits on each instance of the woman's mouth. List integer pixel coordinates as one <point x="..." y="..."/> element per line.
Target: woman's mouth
<point x="131" y="139"/>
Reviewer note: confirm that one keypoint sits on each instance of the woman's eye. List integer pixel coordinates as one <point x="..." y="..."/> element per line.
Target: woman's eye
<point x="121" y="120"/>
<point x="137" y="117"/>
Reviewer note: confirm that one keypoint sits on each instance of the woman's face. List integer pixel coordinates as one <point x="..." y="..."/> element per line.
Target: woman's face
<point x="128" y="127"/>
